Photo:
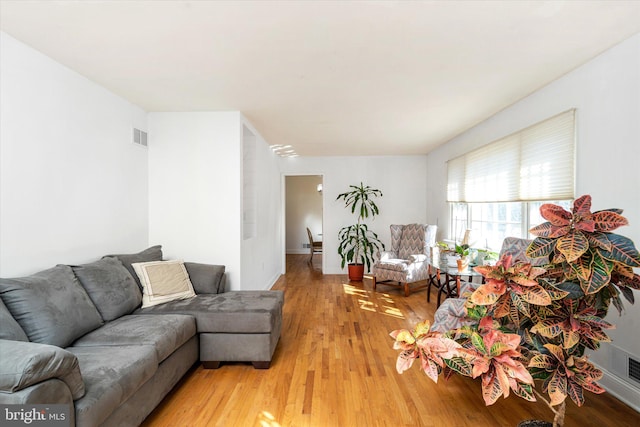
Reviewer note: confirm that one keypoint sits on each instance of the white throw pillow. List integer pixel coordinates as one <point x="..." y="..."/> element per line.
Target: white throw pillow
<point x="163" y="281"/>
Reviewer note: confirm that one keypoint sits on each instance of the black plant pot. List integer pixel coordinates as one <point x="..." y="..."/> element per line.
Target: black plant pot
<point x="534" y="423"/>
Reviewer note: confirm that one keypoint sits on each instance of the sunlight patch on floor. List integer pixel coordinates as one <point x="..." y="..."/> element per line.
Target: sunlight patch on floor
<point x="266" y="419"/>
<point x="367" y="304"/>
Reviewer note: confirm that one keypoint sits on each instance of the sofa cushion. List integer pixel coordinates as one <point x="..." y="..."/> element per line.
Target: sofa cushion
<point x="9" y="328"/>
<point x="165" y="333"/>
<point x="163" y="281"/>
<point x="28" y="363"/>
<point x="154" y="253"/>
<point x="110" y="286"/>
<point x="51" y="306"/>
<point x="229" y="312"/>
<point x="111" y="376"/>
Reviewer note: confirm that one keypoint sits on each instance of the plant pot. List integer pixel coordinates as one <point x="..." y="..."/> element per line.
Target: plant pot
<point x="534" y="423"/>
<point x="356" y="272"/>
<point x="463" y="263"/>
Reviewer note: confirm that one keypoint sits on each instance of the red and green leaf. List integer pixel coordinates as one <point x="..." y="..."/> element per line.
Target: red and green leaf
<point x="549" y="328"/>
<point x="525" y="391"/>
<point x="623" y="270"/>
<point x="484" y="295"/>
<point x="582" y="266"/>
<point x="541" y="247"/>
<point x="570" y="338"/>
<point x="600" y="274"/>
<point x="543" y="230"/>
<point x="582" y="205"/>
<point x="557" y="388"/>
<point x="537" y="295"/>
<point x="520" y="303"/>
<point x="478" y="343"/>
<point x="498" y="348"/>
<point x="622" y="250"/>
<point x="574" y="391"/>
<point x="542" y="361"/>
<point x="608" y="221"/>
<point x="555" y="214"/>
<point x="502" y="307"/>
<point x="599" y="240"/>
<point x="460" y="365"/>
<point x="573" y="245"/>
<point x="491" y="389"/>
<point x="586" y="224"/>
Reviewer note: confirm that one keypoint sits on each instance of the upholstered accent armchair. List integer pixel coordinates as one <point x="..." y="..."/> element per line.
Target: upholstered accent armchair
<point x="408" y="260"/>
<point x="452" y="312"/>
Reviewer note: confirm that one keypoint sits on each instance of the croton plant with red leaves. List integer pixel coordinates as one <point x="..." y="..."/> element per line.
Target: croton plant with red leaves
<point x="529" y="323"/>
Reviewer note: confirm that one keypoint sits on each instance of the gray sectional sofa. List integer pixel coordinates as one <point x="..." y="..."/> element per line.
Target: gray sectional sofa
<point x="77" y="335"/>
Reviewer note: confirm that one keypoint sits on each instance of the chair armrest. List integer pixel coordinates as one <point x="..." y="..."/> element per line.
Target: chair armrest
<point x="450" y="315"/>
<point x="206" y="278"/>
<point x="387" y="255"/>
<point x="418" y="258"/>
<point x="28" y="363"/>
<point x="467" y="288"/>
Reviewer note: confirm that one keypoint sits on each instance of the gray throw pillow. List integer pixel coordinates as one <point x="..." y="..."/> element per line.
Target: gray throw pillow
<point x="9" y="328"/>
<point x="206" y="278"/>
<point x="110" y="287"/>
<point x="51" y="306"/>
<point x="154" y="253"/>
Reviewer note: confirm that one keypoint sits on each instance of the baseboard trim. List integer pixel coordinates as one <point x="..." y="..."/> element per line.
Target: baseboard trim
<point x="621" y="389"/>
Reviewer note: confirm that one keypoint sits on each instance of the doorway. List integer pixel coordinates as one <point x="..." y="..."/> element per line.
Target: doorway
<point x="303" y="209"/>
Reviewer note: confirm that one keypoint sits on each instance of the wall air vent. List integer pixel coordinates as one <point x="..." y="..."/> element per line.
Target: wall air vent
<point x="625" y="366"/>
<point x="634" y="369"/>
<point x="139" y="137"/>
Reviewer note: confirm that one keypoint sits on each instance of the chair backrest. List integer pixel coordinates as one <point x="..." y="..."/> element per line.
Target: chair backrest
<point x="310" y="237"/>
<point x="412" y="239"/>
<point x="516" y="247"/>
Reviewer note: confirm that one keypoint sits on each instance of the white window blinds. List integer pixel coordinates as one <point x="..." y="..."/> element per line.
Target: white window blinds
<point x="536" y="163"/>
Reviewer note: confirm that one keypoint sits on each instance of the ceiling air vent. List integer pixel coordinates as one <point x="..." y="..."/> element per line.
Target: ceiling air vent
<point x="139" y="137"/>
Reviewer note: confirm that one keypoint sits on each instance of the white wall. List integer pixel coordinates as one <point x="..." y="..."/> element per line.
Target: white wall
<point x="73" y="187"/>
<point x="195" y="182"/>
<point x="606" y="93"/>
<point x="261" y="257"/>
<point x="402" y="180"/>
<point x="303" y="209"/>
<point x="194" y="187"/>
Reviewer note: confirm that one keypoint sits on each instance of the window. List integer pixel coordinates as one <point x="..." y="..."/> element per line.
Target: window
<point x="497" y="190"/>
<point x="492" y="222"/>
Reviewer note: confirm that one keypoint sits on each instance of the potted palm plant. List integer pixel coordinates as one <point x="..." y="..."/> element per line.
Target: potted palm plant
<point x="357" y="244"/>
<point x="531" y="323"/>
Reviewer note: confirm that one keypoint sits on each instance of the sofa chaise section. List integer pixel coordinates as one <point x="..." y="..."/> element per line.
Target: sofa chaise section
<point x="239" y="326"/>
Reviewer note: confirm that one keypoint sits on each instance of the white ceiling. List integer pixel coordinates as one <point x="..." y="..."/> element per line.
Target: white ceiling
<point x="328" y="77"/>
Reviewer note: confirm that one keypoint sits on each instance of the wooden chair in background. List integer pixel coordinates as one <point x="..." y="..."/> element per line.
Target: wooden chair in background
<point x="314" y="247"/>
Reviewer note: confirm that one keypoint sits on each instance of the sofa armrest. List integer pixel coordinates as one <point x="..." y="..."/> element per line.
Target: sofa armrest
<point x="28" y="363"/>
<point x="206" y="278"/>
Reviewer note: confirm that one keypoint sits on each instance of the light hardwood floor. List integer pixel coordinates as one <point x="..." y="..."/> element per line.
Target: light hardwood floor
<point x="335" y="366"/>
